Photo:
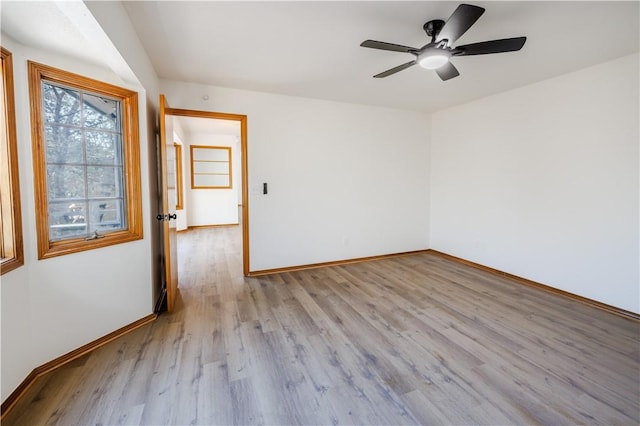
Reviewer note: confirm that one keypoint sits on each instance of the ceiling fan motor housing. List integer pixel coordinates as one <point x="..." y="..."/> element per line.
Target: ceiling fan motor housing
<point x="433" y="27"/>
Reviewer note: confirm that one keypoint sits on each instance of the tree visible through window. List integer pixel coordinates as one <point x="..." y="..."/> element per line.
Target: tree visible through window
<point x="83" y="137"/>
<point x="87" y="169"/>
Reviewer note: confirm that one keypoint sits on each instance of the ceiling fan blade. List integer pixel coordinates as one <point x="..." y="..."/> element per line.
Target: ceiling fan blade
<point x="386" y="46"/>
<point x="493" y="46"/>
<point x="447" y="71"/>
<point x="459" y="22"/>
<point x="394" y="70"/>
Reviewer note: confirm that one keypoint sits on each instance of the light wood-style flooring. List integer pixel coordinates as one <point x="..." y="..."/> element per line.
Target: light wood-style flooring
<point x="416" y="339"/>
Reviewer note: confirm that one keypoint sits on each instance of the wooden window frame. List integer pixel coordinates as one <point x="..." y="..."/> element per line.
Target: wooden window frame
<point x="12" y="254"/>
<point x="179" y="185"/>
<point x="131" y="160"/>
<point x="193" y="173"/>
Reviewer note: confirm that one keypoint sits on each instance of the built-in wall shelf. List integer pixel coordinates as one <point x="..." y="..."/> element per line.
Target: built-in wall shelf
<point x="210" y="167"/>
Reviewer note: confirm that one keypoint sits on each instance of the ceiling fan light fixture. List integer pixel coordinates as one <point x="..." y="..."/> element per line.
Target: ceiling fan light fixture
<point x="432" y="60"/>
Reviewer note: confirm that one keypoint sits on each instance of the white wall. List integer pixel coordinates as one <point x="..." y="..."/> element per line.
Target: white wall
<point x="114" y="22"/>
<point x="213" y="206"/>
<point x="345" y="181"/>
<point x="542" y="182"/>
<point x="17" y="357"/>
<point x="53" y="306"/>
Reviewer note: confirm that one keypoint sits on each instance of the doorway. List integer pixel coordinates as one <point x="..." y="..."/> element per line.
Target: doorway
<point x="208" y="174"/>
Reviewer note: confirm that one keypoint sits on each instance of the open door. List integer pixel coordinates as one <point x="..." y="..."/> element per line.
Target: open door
<point x="242" y="119"/>
<point x="168" y="213"/>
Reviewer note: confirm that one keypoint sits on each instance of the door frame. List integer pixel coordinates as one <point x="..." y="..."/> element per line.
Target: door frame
<point x="244" y="168"/>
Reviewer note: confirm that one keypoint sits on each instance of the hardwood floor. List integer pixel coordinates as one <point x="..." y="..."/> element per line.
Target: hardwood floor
<point x="408" y="340"/>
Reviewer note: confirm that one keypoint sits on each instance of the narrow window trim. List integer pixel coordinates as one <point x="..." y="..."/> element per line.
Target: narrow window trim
<point x="131" y="161"/>
<point x="16" y="258"/>
<point x="179" y="181"/>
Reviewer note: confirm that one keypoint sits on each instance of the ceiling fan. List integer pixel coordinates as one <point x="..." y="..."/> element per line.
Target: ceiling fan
<point x="436" y="54"/>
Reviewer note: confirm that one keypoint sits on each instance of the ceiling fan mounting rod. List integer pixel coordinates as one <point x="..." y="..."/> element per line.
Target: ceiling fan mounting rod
<point x="432" y="28"/>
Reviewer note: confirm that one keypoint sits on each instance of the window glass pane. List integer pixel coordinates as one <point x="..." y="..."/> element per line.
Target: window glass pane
<point x="67" y="220"/>
<point x="106" y="215"/>
<point x="84" y="162"/>
<point x="100" y="112"/>
<point x="211" y="154"/>
<point x="211" y="180"/>
<point x="178" y="165"/>
<point x="171" y="166"/>
<point x="104" y="182"/>
<point x="61" y="105"/>
<point x="211" y="167"/>
<point x="103" y="148"/>
<point x="64" y="144"/>
<point x="65" y="182"/>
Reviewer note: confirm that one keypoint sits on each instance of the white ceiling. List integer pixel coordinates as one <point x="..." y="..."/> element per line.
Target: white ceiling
<point x="65" y="27"/>
<point x="311" y="49"/>
<point x="36" y="23"/>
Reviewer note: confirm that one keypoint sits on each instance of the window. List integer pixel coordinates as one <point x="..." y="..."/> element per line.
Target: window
<point x="85" y="148"/>
<point x="10" y="216"/>
<point x="179" y="202"/>
<point x="210" y="167"/>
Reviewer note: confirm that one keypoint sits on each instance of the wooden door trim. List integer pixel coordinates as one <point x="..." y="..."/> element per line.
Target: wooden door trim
<point x="244" y="168"/>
